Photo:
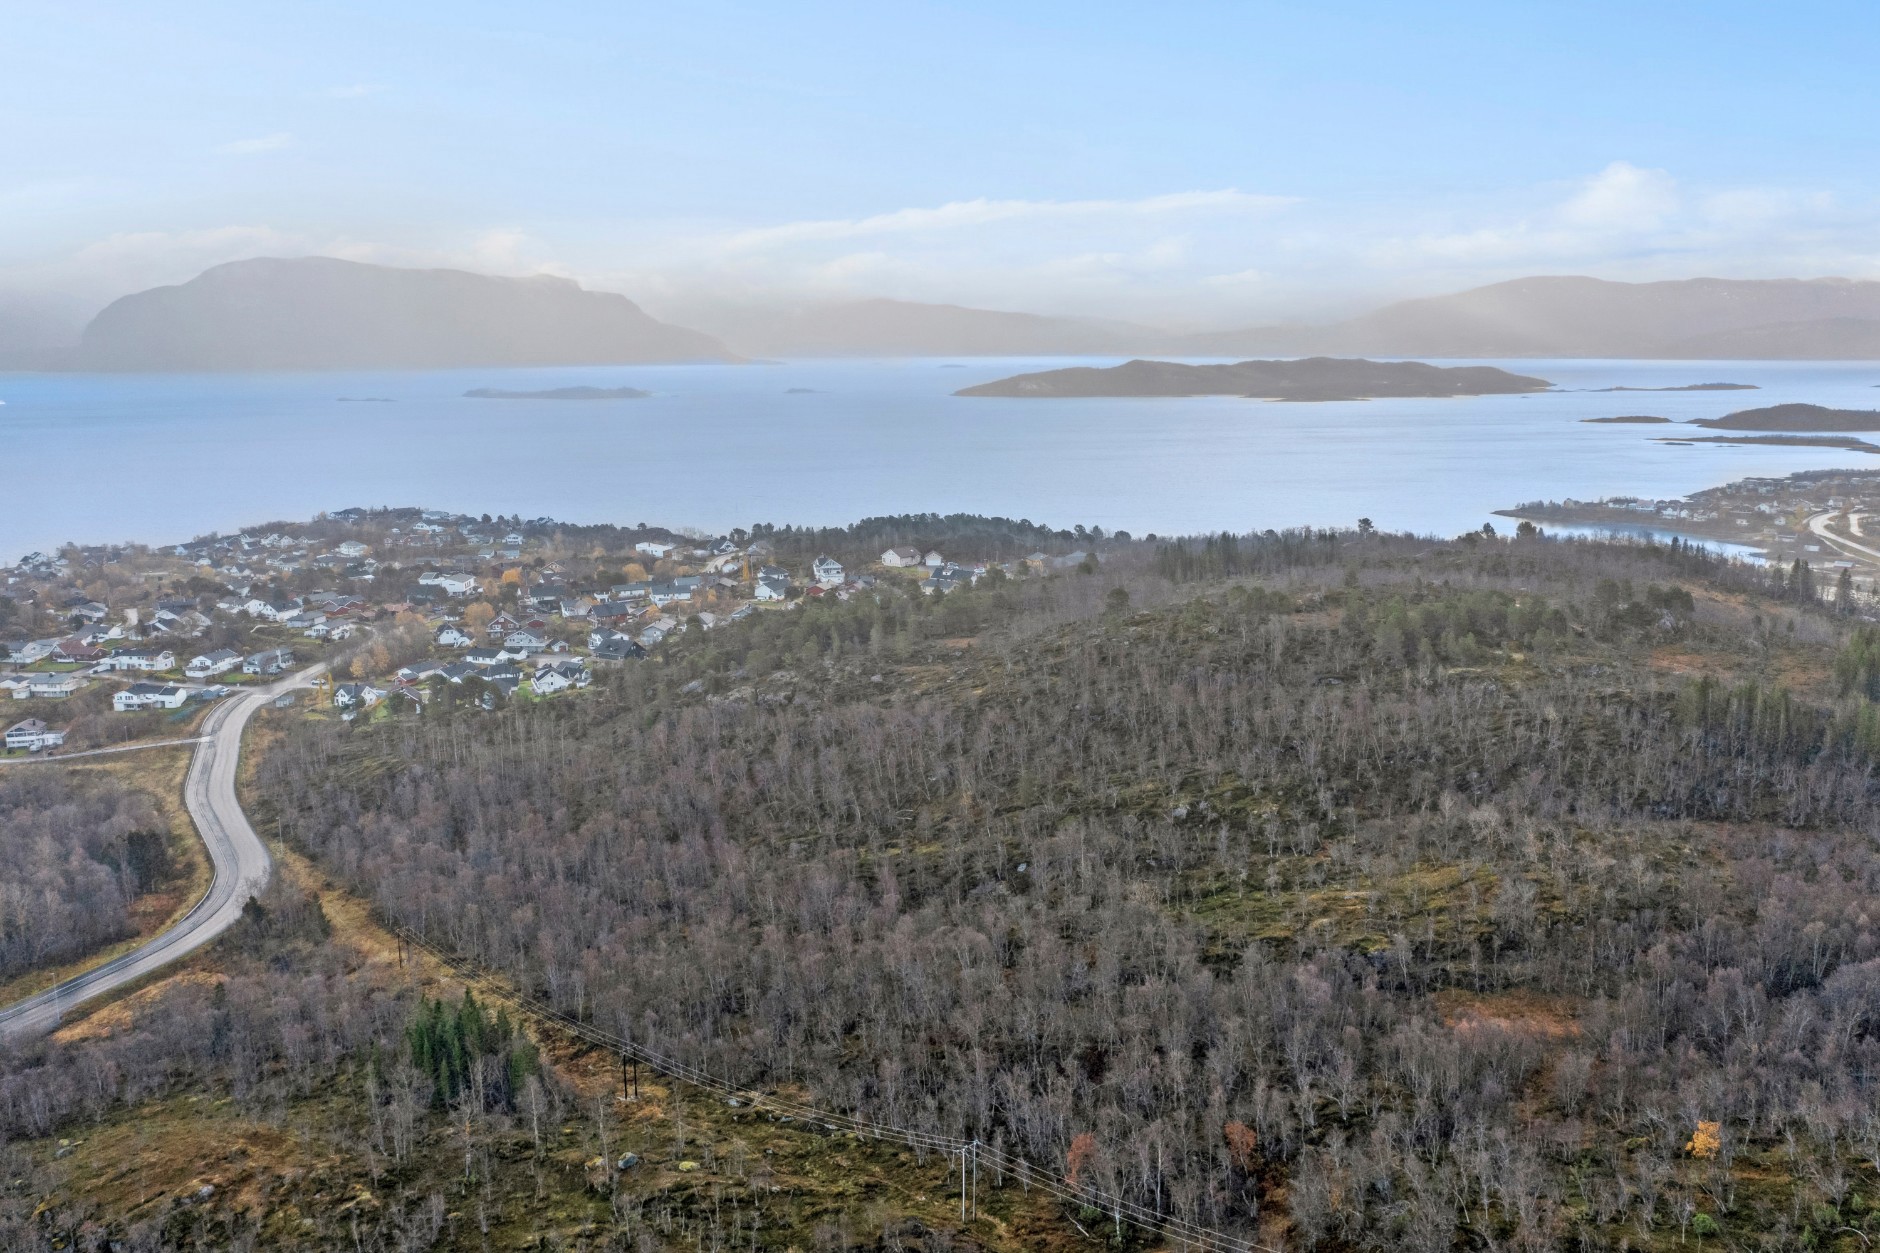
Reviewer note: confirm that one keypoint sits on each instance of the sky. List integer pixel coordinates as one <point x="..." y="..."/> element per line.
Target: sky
<point x="1195" y="165"/>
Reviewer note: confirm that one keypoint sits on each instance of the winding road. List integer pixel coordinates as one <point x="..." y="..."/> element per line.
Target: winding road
<point x="241" y="861"/>
<point x="1819" y="525"/>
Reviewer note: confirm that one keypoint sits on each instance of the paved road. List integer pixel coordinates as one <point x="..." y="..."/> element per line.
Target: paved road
<point x="241" y="864"/>
<point x="1819" y="525"/>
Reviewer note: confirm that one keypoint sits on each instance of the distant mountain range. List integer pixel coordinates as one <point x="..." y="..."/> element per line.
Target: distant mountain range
<point x="1702" y="318"/>
<point x="1705" y="318"/>
<point x="323" y="313"/>
<point x="320" y="313"/>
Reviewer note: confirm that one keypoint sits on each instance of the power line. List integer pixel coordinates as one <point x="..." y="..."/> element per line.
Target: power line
<point x="1189" y="1235"/>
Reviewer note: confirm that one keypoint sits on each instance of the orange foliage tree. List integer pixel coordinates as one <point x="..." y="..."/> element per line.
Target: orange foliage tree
<point x="1242" y="1145"/>
<point x="1083" y="1148"/>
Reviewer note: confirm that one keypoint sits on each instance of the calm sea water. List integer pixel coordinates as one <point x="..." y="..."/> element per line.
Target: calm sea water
<point x="154" y="458"/>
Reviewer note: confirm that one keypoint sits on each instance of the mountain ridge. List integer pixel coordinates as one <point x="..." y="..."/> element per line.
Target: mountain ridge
<point x="327" y="313"/>
<point x="320" y="313"/>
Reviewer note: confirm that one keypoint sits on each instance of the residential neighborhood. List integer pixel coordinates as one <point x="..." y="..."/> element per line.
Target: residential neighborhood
<point x="413" y="603"/>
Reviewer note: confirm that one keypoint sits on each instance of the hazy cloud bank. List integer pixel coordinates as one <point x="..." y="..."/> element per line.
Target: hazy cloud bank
<point x="1209" y="257"/>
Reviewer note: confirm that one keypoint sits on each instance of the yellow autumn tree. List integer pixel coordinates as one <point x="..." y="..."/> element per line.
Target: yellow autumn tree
<point x="478" y="616"/>
<point x="1707" y="1141"/>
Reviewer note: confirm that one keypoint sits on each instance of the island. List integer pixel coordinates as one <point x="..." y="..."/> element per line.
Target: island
<point x="1311" y="378"/>
<point x="1795" y="417"/>
<point x="1847" y="442"/>
<point x="562" y="393"/>
<point x="1688" y="387"/>
<point x="1635" y="419"/>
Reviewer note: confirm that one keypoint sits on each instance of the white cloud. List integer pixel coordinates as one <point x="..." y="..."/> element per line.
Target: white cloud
<point x="1198" y="259"/>
<point x="1629" y="222"/>
<point x="1623" y="197"/>
<point x="252" y="147"/>
<point x="966" y="214"/>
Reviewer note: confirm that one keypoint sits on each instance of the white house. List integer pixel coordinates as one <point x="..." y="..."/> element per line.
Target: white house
<point x="352" y="548"/>
<point x="207" y="665"/>
<point x="933" y="560"/>
<point x="495" y="656"/>
<point x="448" y="583"/>
<point x="770" y="589"/>
<point x="654" y="549"/>
<point x="450" y="635"/>
<point x="418" y="671"/>
<point x="145" y="659"/>
<point x="559" y="677"/>
<point x="268" y="661"/>
<point x="188" y="622"/>
<point x="901" y="558"/>
<point x="357" y="695"/>
<point x="149" y="696"/>
<point x="25" y="654"/>
<point x="827" y="572"/>
<point x="49" y="687"/>
<point x="33" y="735"/>
<point x="526" y="639"/>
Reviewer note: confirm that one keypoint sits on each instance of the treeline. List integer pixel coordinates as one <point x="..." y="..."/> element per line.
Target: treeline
<point x="958" y="536"/>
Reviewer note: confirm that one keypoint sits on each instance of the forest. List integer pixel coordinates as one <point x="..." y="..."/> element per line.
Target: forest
<point x="77" y="852"/>
<point x="1328" y="890"/>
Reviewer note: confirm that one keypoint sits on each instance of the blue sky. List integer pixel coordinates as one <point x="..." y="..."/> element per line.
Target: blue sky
<point x="1199" y="164"/>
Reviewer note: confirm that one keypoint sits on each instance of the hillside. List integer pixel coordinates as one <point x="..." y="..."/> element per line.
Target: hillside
<point x="1314" y="378"/>
<point x="320" y="313"/>
<point x="1506" y="875"/>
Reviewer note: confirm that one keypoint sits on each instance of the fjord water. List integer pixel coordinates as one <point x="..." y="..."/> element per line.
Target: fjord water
<point x="152" y="458"/>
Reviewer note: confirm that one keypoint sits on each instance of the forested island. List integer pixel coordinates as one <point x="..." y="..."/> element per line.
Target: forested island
<point x="561" y="393"/>
<point x="1311" y="378"/>
<point x="1795" y="417"/>
<point x="1688" y="387"/>
<point x="1632" y="419"/>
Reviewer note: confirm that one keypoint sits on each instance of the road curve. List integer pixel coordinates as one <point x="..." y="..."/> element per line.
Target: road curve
<point x="1819" y="525"/>
<point x="240" y="858"/>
